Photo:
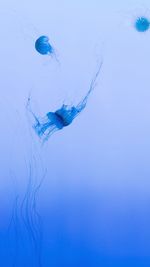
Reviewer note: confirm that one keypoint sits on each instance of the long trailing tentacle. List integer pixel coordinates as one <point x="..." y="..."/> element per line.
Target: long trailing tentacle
<point x="14" y="224"/>
<point x="30" y="215"/>
<point x="83" y="102"/>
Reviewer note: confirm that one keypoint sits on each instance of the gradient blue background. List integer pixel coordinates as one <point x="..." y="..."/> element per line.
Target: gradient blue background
<point x="95" y="199"/>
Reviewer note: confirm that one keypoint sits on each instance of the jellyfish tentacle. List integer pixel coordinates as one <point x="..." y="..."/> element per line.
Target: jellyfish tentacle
<point x="82" y="104"/>
<point x="29" y="215"/>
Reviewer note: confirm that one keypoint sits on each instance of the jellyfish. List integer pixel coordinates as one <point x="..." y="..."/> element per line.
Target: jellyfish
<point x="54" y="121"/>
<point x="142" y="24"/>
<point x="137" y="19"/>
<point x="43" y="46"/>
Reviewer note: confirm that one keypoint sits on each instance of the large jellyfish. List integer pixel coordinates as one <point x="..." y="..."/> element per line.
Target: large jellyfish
<point x="62" y="117"/>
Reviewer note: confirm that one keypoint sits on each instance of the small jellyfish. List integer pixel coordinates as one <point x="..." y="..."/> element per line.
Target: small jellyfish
<point x="62" y="117"/>
<point x="137" y="18"/>
<point x="43" y="46"/>
<point x="142" y="24"/>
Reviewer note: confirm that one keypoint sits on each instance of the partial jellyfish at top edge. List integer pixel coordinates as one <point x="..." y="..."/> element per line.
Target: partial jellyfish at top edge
<point x="54" y="121"/>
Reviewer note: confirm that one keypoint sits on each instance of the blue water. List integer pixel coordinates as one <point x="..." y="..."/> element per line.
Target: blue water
<point x="82" y="197"/>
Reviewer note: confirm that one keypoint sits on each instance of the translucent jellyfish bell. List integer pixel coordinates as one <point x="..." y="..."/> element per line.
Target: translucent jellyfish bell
<point x="43" y="46"/>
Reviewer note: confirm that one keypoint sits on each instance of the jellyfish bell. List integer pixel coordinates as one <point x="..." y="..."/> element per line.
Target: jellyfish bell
<point x="142" y="24"/>
<point x="52" y="116"/>
<point x="54" y="121"/>
<point x="66" y="114"/>
<point x="43" y="46"/>
<point x="141" y="20"/>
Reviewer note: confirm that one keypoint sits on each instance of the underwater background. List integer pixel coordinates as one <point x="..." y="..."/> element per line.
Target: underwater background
<point x="81" y="198"/>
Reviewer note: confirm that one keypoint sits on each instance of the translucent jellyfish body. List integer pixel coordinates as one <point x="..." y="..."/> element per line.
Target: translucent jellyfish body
<point x="62" y="117"/>
<point x="43" y="46"/>
<point x="54" y="121"/>
<point x="142" y="24"/>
